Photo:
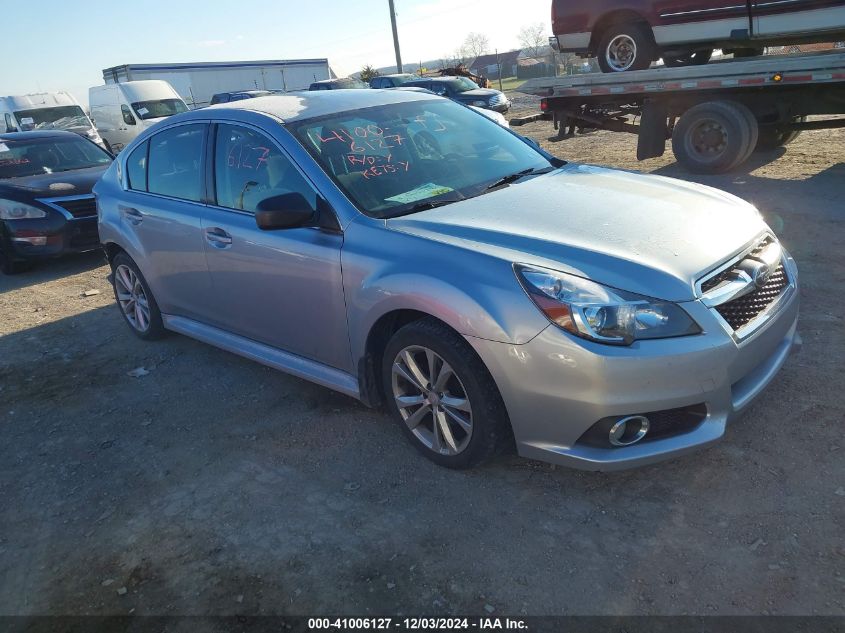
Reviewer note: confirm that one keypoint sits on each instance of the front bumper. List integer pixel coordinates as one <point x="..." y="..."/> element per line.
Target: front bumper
<point x="556" y="387"/>
<point x="22" y="239"/>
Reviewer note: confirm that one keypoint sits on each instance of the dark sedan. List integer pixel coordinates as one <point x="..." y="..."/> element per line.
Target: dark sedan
<point x="46" y="205"/>
<point x="464" y="91"/>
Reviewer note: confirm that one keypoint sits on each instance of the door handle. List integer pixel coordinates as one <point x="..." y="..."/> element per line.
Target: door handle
<point x="131" y="215"/>
<point x="218" y="238"/>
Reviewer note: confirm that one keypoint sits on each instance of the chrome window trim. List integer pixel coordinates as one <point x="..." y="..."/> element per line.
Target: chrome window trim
<point x="53" y="204"/>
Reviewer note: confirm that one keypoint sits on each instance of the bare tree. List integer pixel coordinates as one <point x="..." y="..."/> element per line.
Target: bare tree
<point x="368" y="72"/>
<point x="475" y="45"/>
<point x="533" y="40"/>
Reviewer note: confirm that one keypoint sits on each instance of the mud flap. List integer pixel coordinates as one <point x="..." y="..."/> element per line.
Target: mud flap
<point x="653" y="130"/>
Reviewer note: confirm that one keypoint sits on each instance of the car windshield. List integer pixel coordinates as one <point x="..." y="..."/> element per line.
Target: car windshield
<point x="400" y="158"/>
<point x="55" y="118"/>
<point x="462" y="84"/>
<point x="401" y="79"/>
<point x="159" y="109"/>
<point x="20" y="158"/>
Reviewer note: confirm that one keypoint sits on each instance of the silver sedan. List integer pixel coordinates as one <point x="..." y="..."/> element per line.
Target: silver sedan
<point x="407" y="251"/>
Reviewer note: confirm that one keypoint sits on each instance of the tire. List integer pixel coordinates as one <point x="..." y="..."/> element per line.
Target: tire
<point x="744" y="53"/>
<point x="754" y="126"/>
<point x="634" y="46"/>
<point x="11" y="266"/>
<point x="694" y="58"/>
<point x="773" y="137"/>
<point x="713" y="137"/>
<point x="148" y="324"/>
<point x="468" y="383"/>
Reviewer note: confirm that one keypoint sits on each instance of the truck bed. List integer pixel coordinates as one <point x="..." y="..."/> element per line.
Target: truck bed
<point x="827" y="66"/>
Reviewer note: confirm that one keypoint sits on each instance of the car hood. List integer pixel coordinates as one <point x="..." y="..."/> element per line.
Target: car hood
<point x="64" y="183"/>
<point x="479" y="93"/>
<point x="646" y="234"/>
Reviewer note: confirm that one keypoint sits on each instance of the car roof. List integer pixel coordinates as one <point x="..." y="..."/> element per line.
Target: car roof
<point x="397" y="75"/>
<point x="25" y="136"/>
<point x="298" y="106"/>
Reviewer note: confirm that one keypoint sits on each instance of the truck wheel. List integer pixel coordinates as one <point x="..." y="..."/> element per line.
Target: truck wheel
<point x="714" y="137"/>
<point x="772" y="137"/>
<point x="442" y="395"/>
<point x="695" y="58"/>
<point x="626" y="47"/>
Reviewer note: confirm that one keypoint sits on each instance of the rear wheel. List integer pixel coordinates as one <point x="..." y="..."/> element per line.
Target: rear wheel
<point x="135" y="299"/>
<point x="626" y="47"/>
<point x="694" y="58"/>
<point x="773" y="137"/>
<point x="714" y="137"/>
<point x="443" y="396"/>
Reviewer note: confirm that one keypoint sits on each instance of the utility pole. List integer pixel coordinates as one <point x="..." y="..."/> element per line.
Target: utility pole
<point x="499" y="65"/>
<point x="395" y="36"/>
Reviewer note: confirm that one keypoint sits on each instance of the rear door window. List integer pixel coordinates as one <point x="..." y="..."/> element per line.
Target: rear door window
<point x="175" y="162"/>
<point x="136" y="167"/>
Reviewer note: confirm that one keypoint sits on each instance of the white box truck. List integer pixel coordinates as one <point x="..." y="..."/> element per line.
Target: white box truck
<point x="122" y="111"/>
<point x="46" y="111"/>
<point x="197" y="83"/>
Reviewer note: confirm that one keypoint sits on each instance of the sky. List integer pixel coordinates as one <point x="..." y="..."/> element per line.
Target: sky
<point x="54" y="45"/>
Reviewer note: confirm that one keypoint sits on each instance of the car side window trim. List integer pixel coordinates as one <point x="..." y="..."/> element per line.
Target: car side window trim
<point x="147" y="139"/>
<point x="211" y="177"/>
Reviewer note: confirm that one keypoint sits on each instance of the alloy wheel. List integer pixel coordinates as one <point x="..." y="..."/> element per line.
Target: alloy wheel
<point x="621" y="53"/>
<point x="132" y="298"/>
<point x="432" y="400"/>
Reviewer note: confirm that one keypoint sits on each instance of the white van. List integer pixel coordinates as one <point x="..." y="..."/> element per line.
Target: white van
<point x="122" y="111"/>
<point x="46" y="111"/>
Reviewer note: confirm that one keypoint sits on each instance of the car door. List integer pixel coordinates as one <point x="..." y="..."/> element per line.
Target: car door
<point x="691" y="21"/>
<point x="788" y="17"/>
<point x="282" y="288"/>
<point x="162" y="211"/>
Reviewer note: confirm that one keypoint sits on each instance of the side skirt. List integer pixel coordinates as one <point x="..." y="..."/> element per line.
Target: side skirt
<point x="270" y="356"/>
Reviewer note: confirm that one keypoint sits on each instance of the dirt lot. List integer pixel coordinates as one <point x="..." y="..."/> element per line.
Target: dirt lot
<point x="212" y="485"/>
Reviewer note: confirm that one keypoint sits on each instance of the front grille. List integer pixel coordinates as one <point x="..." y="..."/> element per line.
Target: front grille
<point x="744" y="310"/>
<point x="79" y="208"/>
<point x="727" y="274"/>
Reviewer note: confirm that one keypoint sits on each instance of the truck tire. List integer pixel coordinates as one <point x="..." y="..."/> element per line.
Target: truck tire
<point x="624" y="47"/>
<point x="694" y="58"/>
<point x="773" y="137"/>
<point x="755" y="130"/>
<point x="713" y="137"/>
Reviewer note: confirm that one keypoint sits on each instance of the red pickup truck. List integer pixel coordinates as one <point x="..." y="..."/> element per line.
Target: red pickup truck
<point x="630" y="34"/>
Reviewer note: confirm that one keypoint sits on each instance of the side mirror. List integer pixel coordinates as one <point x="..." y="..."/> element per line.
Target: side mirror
<point x="288" y="211"/>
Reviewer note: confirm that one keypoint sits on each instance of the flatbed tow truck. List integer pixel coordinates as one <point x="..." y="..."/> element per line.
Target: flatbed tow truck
<point x="716" y="115"/>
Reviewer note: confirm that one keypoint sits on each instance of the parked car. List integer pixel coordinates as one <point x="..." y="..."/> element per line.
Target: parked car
<point x="121" y="111"/>
<point x="343" y="83"/>
<point x="464" y="91"/>
<point x="228" y="97"/>
<point x="490" y="114"/>
<point x="46" y="205"/>
<point x="399" y="248"/>
<point x="392" y="81"/>
<point x="46" y="111"/>
<point x="630" y="34"/>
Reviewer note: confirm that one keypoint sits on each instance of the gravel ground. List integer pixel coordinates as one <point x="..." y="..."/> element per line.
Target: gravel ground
<point x="211" y="485"/>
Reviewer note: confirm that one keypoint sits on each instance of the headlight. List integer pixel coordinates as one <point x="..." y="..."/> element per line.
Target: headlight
<point x="479" y="104"/>
<point x="12" y="210"/>
<point x="598" y="313"/>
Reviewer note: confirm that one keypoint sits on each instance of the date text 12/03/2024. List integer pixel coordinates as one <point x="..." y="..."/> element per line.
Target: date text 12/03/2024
<point x="417" y="624"/>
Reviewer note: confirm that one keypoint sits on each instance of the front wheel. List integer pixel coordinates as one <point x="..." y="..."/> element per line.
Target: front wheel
<point x="443" y="396"/>
<point x="626" y="47"/>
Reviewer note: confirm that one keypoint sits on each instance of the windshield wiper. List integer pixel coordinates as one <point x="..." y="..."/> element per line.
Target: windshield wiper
<point x="511" y="178"/>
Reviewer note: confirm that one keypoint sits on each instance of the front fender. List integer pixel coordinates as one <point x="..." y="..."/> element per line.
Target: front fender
<point x="477" y="295"/>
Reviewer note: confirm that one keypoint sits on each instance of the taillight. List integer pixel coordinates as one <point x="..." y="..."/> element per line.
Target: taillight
<point x="544" y="105"/>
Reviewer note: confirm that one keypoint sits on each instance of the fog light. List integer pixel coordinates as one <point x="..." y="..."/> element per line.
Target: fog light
<point x="628" y="431"/>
